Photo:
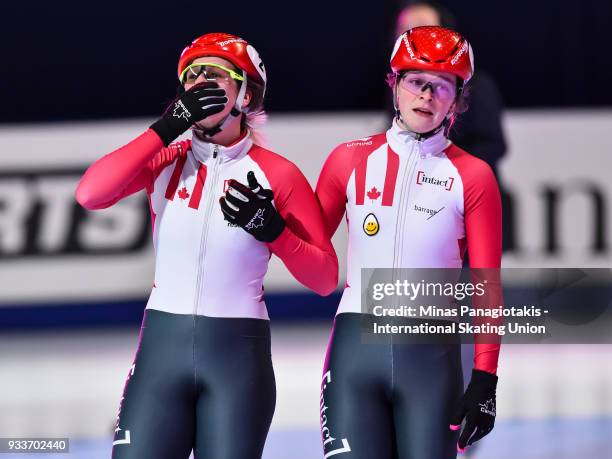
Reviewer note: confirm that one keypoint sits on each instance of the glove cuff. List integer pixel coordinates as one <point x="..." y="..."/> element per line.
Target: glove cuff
<point x="274" y="228"/>
<point x="164" y="131"/>
<point x="483" y="378"/>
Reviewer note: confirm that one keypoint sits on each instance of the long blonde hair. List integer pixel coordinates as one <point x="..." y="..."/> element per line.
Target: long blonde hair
<point x="256" y="117"/>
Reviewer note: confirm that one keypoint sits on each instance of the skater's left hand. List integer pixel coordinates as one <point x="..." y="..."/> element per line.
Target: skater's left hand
<point x="251" y="208"/>
<point x="477" y="408"/>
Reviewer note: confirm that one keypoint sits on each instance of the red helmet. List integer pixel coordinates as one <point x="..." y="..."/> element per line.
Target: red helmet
<point x="230" y="47"/>
<point x="433" y="48"/>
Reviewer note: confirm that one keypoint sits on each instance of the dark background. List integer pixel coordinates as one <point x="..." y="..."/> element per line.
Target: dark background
<point x="80" y="60"/>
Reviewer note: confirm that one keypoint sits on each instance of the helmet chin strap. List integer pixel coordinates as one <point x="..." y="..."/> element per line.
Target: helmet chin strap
<point x="235" y="112"/>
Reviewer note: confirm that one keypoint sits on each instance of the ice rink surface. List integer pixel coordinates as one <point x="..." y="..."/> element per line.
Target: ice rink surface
<point x="554" y="402"/>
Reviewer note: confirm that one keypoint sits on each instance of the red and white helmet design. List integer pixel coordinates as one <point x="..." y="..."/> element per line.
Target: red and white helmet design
<point x="433" y="48"/>
<point x="227" y="46"/>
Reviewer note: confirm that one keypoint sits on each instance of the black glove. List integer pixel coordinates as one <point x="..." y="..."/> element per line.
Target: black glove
<point x="477" y="407"/>
<point x="252" y="209"/>
<point x="191" y="106"/>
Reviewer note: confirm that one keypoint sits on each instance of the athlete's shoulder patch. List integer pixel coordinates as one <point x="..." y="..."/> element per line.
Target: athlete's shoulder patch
<point x="363" y="142"/>
<point x="370" y="141"/>
<point x="358" y="148"/>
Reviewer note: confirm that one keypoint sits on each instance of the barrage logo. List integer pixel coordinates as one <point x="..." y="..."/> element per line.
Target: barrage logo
<point x="447" y="184"/>
<point x="428" y="211"/>
<point x="231" y="40"/>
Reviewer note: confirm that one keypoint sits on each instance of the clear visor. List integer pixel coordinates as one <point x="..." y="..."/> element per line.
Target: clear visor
<point x="417" y="83"/>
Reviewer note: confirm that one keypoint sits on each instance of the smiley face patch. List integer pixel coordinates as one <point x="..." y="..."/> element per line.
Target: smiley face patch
<point x="371" y="225"/>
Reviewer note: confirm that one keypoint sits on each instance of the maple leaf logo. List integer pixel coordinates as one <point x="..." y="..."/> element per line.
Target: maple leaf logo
<point x="180" y="111"/>
<point x="257" y="220"/>
<point x="183" y="194"/>
<point x="488" y="407"/>
<point x="373" y="194"/>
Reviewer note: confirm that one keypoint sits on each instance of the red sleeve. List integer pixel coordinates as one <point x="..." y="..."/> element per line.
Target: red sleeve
<point x="483" y="229"/>
<point x="334" y="177"/>
<point x="303" y="246"/>
<point x="331" y="189"/>
<point x="125" y="171"/>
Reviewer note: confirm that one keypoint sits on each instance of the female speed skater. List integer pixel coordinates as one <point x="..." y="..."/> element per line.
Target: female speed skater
<point x="221" y="204"/>
<point x="412" y="200"/>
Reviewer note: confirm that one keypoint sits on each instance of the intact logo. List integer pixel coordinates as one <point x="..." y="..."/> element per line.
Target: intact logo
<point x="371" y="225"/>
<point x="180" y="111"/>
<point x="127" y="439"/>
<point x="360" y="142"/>
<point x="430" y="212"/>
<point x="330" y="447"/>
<point x="422" y="178"/>
<point x="226" y="185"/>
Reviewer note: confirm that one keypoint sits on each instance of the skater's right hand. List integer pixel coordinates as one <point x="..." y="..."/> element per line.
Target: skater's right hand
<point x="196" y="104"/>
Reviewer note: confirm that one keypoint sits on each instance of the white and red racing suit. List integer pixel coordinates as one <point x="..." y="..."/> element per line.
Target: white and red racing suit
<point x="204" y="265"/>
<point x="203" y="374"/>
<point x="429" y="200"/>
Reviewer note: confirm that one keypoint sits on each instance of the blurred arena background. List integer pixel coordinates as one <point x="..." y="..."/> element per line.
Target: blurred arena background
<point x="78" y="81"/>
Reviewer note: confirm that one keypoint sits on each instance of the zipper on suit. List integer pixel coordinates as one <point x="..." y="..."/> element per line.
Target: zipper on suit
<point x="402" y="213"/>
<point x="402" y="207"/>
<point x="209" y="199"/>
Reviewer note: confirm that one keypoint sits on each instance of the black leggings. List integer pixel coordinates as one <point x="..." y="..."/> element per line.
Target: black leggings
<point x="197" y="382"/>
<point x="388" y="400"/>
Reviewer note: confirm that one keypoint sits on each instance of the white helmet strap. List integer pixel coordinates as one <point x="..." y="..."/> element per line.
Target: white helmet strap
<point x="241" y="94"/>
